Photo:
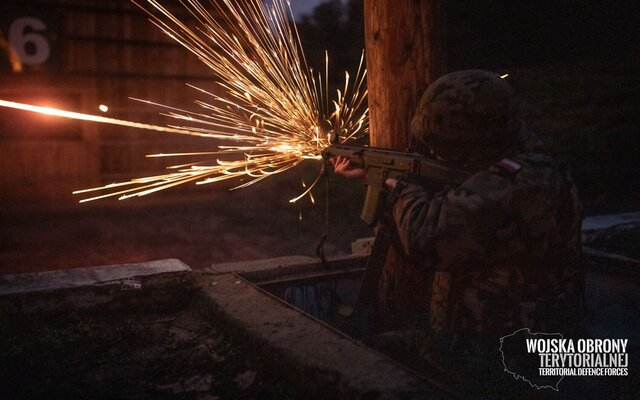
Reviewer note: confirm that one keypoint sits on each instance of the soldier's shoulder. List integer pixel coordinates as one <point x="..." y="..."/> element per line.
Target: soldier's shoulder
<point x="517" y="171"/>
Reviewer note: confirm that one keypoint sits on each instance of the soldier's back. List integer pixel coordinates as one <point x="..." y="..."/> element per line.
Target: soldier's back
<point x="514" y="261"/>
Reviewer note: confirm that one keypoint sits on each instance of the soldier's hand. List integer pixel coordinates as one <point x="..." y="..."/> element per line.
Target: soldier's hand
<point x="391" y="183"/>
<point x="342" y="166"/>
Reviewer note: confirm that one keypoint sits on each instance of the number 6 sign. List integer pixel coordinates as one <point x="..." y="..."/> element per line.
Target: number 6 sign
<point x="27" y="39"/>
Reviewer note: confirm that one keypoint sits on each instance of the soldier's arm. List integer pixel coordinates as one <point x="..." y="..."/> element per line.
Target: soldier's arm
<point x="456" y="225"/>
<point x="415" y="214"/>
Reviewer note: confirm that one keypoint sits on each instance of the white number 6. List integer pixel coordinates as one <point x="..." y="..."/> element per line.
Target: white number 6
<point x="19" y="39"/>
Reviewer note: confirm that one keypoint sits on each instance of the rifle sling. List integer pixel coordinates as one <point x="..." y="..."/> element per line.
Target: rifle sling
<point x="373" y="271"/>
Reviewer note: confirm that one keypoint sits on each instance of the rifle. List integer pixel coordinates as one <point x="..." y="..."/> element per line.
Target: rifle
<point x="381" y="164"/>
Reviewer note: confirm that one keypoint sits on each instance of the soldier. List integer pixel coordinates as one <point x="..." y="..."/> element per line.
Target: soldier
<point x="500" y="250"/>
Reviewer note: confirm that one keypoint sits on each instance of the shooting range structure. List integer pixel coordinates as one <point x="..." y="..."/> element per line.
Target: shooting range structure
<point x="86" y="53"/>
<point x="318" y="359"/>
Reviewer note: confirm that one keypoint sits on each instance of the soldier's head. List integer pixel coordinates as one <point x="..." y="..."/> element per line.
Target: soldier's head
<point x="467" y="118"/>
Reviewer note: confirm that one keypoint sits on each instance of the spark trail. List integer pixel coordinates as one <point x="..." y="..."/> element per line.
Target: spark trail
<point x="87" y="117"/>
<point x="270" y="110"/>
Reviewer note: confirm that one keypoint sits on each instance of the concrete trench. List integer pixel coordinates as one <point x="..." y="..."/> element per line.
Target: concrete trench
<point x="317" y="359"/>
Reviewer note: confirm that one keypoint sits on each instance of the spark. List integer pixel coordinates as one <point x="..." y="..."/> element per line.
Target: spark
<point x="504" y="76"/>
<point x="268" y="107"/>
<point x="103" y="108"/>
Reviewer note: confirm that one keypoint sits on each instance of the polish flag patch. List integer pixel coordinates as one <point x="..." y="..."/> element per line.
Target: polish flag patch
<point x="509" y="165"/>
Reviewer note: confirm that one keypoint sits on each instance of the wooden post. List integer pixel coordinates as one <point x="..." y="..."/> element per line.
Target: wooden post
<point x="405" y="49"/>
<point x="405" y="44"/>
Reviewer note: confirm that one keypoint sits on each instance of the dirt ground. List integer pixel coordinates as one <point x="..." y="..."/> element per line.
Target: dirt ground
<point x="199" y="227"/>
<point x="131" y="354"/>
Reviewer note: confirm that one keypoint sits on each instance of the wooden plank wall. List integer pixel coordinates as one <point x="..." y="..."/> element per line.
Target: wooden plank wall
<point x="104" y="53"/>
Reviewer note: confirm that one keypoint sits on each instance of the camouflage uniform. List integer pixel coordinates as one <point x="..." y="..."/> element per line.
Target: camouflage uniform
<point x="502" y="248"/>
